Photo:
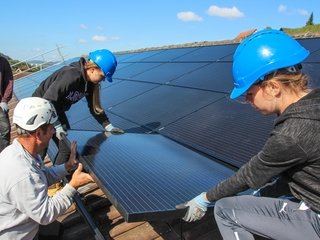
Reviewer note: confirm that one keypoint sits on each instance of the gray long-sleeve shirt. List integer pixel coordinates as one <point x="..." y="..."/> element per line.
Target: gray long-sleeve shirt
<point x="292" y="151"/>
<point x="24" y="200"/>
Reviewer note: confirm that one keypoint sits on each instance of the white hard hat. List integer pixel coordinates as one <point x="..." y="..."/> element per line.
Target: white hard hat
<point x="32" y="112"/>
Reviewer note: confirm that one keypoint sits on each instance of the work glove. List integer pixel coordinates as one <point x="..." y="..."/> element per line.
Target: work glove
<point x="4" y="106"/>
<point x="113" y="130"/>
<point x="197" y="208"/>
<point x="60" y="131"/>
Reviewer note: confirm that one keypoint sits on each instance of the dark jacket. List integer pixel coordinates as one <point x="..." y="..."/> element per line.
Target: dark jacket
<point x="292" y="151"/>
<point x="67" y="86"/>
<point x="6" y="80"/>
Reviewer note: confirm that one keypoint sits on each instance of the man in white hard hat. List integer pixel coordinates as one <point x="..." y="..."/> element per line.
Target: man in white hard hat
<point x="24" y="179"/>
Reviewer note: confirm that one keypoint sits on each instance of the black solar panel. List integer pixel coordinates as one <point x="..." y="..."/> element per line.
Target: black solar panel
<point x="167" y="72"/>
<point x="209" y="54"/>
<point x="215" y="77"/>
<point x="146" y="175"/>
<point x="164" y="105"/>
<point x="133" y="69"/>
<point x="136" y="57"/>
<point x="169" y="55"/>
<point x="226" y="130"/>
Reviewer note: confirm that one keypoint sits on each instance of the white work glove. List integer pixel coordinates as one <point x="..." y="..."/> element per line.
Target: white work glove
<point x="197" y="208"/>
<point x="113" y="130"/>
<point x="59" y="131"/>
<point x="4" y="106"/>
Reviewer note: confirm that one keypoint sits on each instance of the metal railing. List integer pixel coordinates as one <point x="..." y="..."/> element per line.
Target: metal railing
<point x="39" y="62"/>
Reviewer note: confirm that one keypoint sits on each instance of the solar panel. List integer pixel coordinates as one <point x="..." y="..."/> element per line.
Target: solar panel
<point x="313" y="71"/>
<point x="136" y="57"/>
<point x="164" y="105"/>
<point x="167" y="72"/>
<point x="213" y="77"/>
<point x="225" y="129"/>
<point x="146" y="175"/>
<point x="169" y="55"/>
<point x="209" y="54"/>
<point x="133" y="69"/>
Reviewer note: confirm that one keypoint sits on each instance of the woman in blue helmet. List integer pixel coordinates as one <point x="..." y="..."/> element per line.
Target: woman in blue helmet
<point x="267" y="70"/>
<point x="70" y="83"/>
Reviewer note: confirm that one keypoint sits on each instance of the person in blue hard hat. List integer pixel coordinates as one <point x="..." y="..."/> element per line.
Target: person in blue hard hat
<point x="267" y="70"/>
<point x="69" y="84"/>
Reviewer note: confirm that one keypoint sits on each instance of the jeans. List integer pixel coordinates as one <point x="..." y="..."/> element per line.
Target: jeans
<point x="5" y="130"/>
<point x="238" y="218"/>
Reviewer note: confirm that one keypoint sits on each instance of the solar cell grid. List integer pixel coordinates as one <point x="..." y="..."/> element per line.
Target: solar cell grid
<point x="167" y="72"/>
<point x="209" y="54"/>
<point x="164" y="104"/>
<point x="146" y="175"/>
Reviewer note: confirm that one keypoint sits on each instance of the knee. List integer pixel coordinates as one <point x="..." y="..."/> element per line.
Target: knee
<point x="221" y="206"/>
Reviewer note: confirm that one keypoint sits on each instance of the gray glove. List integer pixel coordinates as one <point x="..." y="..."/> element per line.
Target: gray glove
<point x="113" y="130"/>
<point x="60" y="130"/>
<point x="197" y="208"/>
<point x="4" y="106"/>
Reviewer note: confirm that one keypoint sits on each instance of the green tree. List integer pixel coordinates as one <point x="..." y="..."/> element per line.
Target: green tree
<point x="310" y="21"/>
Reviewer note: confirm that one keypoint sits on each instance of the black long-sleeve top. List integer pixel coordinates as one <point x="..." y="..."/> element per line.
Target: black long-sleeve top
<point x="67" y="86"/>
<point x="292" y="151"/>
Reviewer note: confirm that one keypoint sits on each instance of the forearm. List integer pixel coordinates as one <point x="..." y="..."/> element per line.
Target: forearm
<point x="226" y="188"/>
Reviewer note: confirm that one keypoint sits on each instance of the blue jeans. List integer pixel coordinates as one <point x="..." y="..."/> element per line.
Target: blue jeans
<point x="5" y="130"/>
<point x="238" y="218"/>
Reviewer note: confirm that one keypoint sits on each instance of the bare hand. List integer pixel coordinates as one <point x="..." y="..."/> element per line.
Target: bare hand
<point x="80" y="178"/>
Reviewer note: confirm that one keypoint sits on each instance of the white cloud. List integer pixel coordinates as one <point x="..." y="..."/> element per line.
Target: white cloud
<point x="233" y="12"/>
<point x="282" y="8"/>
<point x="83" y="26"/>
<point x="303" y="12"/>
<point x="189" y="17"/>
<point x="115" y="38"/>
<point x="99" y="38"/>
<point x="82" y="41"/>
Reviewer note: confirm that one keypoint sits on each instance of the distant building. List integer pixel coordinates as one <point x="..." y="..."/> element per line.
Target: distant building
<point x="245" y="34"/>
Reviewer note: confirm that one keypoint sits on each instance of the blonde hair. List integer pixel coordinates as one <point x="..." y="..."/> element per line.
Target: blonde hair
<point x="90" y="64"/>
<point x="295" y="82"/>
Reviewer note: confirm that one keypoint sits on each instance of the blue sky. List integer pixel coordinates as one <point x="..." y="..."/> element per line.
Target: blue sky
<point x="29" y="28"/>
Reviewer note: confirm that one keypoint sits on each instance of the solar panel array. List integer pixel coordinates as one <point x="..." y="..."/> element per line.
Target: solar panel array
<point x="164" y="97"/>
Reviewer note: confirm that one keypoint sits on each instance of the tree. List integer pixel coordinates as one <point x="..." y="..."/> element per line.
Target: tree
<point x="310" y="21"/>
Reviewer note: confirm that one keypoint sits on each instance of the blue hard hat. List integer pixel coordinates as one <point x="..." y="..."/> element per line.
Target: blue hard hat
<point x="261" y="53"/>
<point x="106" y="61"/>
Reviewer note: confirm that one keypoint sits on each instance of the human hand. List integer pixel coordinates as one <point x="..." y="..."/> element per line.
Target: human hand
<point x="59" y="131"/>
<point x="72" y="163"/>
<point x="80" y="178"/>
<point x="197" y="208"/>
<point x="4" y="106"/>
<point x="114" y="130"/>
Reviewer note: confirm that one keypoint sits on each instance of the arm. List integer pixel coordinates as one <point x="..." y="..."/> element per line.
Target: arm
<point x="278" y="155"/>
<point x="7" y="77"/>
<point x="31" y="198"/>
